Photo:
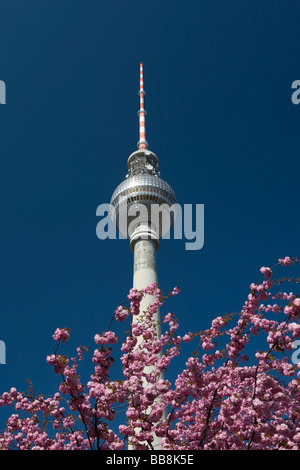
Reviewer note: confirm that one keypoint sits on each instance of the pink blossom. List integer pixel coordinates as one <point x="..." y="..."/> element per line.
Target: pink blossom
<point x="224" y="399"/>
<point x="294" y="328"/>
<point x="61" y="334"/>
<point x="262" y="293"/>
<point x="167" y="318"/>
<point x="107" y="337"/>
<point x="266" y="272"/>
<point x="187" y="338"/>
<point x="121" y="313"/>
<point x="285" y="261"/>
<point x="175" y="291"/>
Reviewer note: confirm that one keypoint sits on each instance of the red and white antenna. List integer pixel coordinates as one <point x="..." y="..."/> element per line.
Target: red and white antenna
<point x="142" y="143"/>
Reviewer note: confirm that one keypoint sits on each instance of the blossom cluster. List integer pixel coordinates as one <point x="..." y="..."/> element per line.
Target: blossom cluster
<point x="221" y="400"/>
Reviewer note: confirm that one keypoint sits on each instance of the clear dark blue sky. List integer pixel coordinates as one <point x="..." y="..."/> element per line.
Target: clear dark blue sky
<point x="218" y="78"/>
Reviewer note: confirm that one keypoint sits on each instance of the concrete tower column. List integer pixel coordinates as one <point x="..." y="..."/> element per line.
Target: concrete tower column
<point x="144" y="244"/>
<point x="145" y="272"/>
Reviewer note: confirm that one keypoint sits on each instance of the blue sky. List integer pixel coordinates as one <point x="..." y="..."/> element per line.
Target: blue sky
<point x="218" y="78"/>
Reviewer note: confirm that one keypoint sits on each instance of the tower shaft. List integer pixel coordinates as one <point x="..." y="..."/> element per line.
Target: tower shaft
<point x="145" y="274"/>
<point x="145" y="271"/>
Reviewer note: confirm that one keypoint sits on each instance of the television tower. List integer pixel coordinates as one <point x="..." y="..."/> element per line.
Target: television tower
<point x="143" y="189"/>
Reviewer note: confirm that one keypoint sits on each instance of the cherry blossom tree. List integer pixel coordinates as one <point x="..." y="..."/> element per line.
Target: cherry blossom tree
<point x="221" y="400"/>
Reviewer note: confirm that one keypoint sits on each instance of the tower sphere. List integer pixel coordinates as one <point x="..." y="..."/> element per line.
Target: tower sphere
<point x="143" y="193"/>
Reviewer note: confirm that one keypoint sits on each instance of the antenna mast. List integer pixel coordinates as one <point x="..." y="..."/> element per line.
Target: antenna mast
<point x="142" y="143"/>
